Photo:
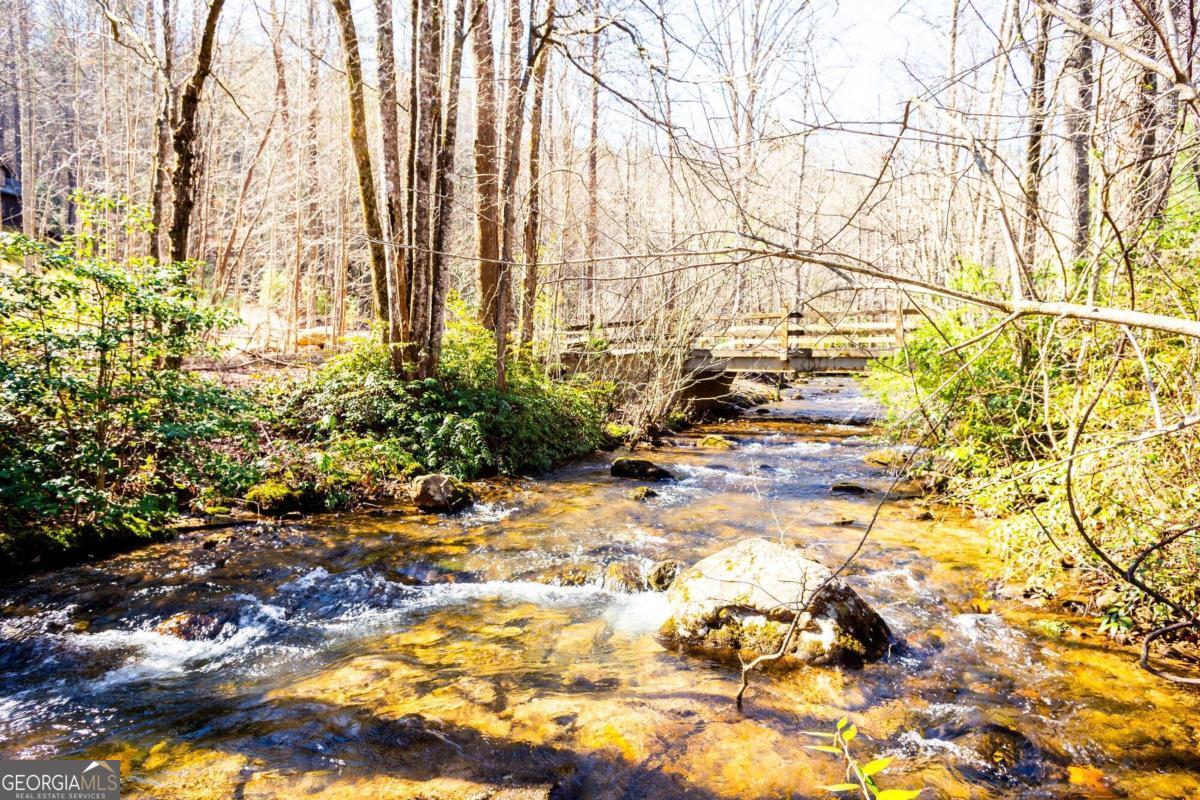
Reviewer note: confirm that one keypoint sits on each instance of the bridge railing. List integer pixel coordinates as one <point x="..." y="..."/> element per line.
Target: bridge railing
<point x="781" y="333"/>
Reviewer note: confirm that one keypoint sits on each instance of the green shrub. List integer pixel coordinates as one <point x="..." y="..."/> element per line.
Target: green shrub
<point x="457" y="422"/>
<point x="99" y="441"/>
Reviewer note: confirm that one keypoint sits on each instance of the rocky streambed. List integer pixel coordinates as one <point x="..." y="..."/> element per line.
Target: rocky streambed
<point x="516" y="649"/>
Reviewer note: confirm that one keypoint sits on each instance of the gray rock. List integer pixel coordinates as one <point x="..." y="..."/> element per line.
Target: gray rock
<point x="742" y="600"/>
<point x="439" y="492"/>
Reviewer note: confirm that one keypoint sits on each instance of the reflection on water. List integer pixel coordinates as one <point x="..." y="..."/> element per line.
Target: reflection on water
<point x="411" y="656"/>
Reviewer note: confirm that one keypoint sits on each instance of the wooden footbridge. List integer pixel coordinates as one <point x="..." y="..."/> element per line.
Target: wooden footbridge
<point x="782" y="342"/>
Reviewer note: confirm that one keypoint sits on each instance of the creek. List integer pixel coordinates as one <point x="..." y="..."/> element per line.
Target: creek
<point x="402" y="655"/>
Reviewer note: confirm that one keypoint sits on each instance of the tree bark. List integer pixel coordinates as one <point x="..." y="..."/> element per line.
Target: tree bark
<point x="487" y="213"/>
<point x="1077" y="121"/>
<point x="28" y="168"/>
<point x="426" y="122"/>
<point x="593" y="183"/>
<point x="184" y="177"/>
<point x="446" y="184"/>
<point x="163" y="123"/>
<point x="1035" y="145"/>
<point x="533" y="219"/>
<point x="362" y="163"/>
<point x="1145" y="194"/>
<point x="399" y="333"/>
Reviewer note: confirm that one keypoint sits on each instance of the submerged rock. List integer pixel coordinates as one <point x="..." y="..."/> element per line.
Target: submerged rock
<point x="836" y="520"/>
<point x="624" y="577"/>
<point x="640" y="469"/>
<point x="740" y="601"/>
<point x="191" y="626"/>
<point x="663" y="574"/>
<point x="641" y="494"/>
<point x="918" y="513"/>
<point x="849" y="487"/>
<point x="440" y="492"/>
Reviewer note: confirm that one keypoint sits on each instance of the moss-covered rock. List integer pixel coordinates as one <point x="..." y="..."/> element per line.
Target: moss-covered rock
<point x="715" y="442"/>
<point x="274" y="497"/>
<point x="624" y="577"/>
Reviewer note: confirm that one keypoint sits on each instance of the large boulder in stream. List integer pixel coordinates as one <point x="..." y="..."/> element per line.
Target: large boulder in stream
<point x="639" y="469"/>
<point x="439" y="492"/>
<point x="741" y="601"/>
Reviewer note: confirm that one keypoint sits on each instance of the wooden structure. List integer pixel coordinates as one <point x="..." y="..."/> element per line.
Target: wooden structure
<point x="784" y="342"/>
<point x="10" y="199"/>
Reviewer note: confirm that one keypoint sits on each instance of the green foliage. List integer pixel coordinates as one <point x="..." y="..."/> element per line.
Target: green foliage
<point x="99" y="442"/>
<point x="860" y="778"/>
<point x="1002" y="412"/>
<point x="457" y="422"/>
<point x="987" y="411"/>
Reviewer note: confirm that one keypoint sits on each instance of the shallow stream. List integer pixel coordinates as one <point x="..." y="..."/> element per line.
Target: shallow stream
<point x="396" y="655"/>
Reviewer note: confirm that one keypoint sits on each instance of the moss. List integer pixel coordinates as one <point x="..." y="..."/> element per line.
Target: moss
<point x="272" y="497"/>
<point x="281" y="494"/>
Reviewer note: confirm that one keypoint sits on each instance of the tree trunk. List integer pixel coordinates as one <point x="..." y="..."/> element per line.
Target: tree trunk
<point x="593" y="183"/>
<point x="400" y="333"/>
<point x="487" y="175"/>
<point x="283" y="101"/>
<point x="426" y="121"/>
<point x="514" y="118"/>
<point x="164" y="120"/>
<point x="1034" y="156"/>
<point x="446" y="183"/>
<point x="1077" y="121"/>
<point x="362" y="163"/>
<point x="1146" y="122"/>
<point x="28" y="173"/>
<point x="184" y="177"/>
<point x="533" y="220"/>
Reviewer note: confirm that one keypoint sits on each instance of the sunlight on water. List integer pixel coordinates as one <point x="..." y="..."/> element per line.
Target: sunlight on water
<point x="411" y="656"/>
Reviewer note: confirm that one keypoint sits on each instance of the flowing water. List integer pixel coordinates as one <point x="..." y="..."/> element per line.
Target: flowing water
<point x="404" y="656"/>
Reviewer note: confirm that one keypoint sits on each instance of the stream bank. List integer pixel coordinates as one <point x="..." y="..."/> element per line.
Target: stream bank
<point x="410" y="656"/>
